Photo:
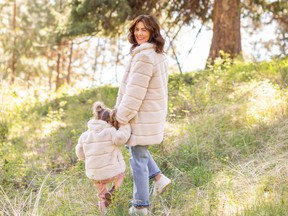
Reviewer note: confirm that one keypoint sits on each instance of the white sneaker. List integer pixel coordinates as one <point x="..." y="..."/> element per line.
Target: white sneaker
<point x="161" y="185"/>
<point x="138" y="211"/>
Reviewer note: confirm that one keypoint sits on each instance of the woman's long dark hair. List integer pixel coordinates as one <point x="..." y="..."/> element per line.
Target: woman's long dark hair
<point x="151" y="24"/>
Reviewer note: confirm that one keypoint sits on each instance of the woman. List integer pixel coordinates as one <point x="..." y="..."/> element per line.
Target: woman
<point x="142" y="102"/>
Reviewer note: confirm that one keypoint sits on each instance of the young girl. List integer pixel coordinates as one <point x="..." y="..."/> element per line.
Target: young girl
<point x="99" y="147"/>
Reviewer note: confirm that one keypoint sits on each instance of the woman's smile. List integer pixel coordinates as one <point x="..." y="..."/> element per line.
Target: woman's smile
<point x="141" y="34"/>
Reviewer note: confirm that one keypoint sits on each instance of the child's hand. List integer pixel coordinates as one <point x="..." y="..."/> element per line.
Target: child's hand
<point x="113" y="120"/>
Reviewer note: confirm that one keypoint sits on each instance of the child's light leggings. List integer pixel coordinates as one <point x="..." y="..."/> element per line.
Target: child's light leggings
<point x="102" y="188"/>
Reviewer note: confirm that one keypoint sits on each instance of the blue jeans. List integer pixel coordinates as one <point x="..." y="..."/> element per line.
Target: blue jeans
<point x="143" y="168"/>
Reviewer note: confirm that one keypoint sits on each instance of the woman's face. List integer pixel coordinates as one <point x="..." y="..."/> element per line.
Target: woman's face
<point x="141" y="34"/>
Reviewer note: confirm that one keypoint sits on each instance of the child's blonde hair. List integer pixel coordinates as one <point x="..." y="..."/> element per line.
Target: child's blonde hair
<point x="100" y="112"/>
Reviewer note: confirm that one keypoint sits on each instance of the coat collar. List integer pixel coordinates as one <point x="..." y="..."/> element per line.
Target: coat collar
<point x="97" y="125"/>
<point x="141" y="47"/>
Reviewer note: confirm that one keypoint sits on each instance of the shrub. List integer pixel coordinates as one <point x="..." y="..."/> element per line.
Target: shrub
<point x="4" y="131"/>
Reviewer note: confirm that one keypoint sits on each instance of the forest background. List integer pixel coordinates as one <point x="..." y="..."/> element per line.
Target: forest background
<point x="226" y="137"/>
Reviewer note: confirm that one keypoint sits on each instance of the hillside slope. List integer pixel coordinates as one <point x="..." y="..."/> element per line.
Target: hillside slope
<point x="226" y="146"/>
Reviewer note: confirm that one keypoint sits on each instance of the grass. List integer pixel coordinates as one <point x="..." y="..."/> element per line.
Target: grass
<point x="225" y="147"/>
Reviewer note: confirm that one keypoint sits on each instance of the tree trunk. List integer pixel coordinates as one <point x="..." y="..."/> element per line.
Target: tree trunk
<point x="58" y="68"/>
<point x="13" y="64"/>
<point x="70" y="63"/>
<point x="226" y="29"/>
<point x="97" y="54"/>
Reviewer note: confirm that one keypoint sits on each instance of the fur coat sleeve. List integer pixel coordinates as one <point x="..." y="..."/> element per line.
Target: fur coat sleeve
<point x="79" y="147"/>
<point x="140" y="75"/>
<point x="122" y="135"/>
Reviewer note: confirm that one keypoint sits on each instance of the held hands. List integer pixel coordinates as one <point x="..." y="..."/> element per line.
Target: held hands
<point x="113" y="120"/>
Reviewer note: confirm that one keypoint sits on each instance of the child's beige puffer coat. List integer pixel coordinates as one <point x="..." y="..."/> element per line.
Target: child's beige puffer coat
<point x="100" y="147"/>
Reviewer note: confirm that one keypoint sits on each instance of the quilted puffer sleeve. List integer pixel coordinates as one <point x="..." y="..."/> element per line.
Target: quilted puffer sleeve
<point x="136" y="89"/>
<point x="79" y="147"/>
<point x="122" y="135"/>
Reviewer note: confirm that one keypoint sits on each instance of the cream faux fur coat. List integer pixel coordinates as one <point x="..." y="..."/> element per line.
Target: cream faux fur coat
<point x="100" y="146"/>
<point x="143" y="96"/>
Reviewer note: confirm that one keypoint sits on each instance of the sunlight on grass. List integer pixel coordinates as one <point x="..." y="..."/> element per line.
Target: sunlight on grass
<point x="264" y="102"/>
<point x="174" y="131"/>
<point x="225" y="147"/>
